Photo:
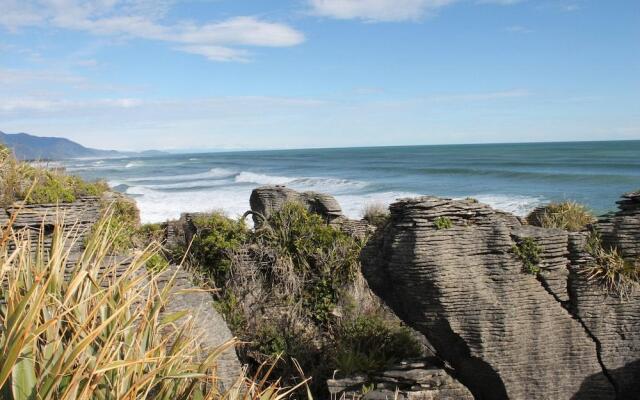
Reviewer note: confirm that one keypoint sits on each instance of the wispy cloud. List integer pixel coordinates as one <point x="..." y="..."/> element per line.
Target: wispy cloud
<point x="483" y="96"/>
<point x="518" y="29"/>
<point x="216" y="40"/>
<point x="376" y="10"/>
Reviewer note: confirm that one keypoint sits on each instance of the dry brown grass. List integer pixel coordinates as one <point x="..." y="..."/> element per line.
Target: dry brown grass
<point x="568" y="215"/>
<point x="618" y="275"/>
<point x="376" y="214"/>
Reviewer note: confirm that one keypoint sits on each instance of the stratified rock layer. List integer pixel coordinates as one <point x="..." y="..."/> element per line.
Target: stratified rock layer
<point x="506" y="333"/>
<point x="267" y="199"/>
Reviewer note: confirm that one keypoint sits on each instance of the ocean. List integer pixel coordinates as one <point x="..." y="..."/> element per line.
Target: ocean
<point x="510" y="177"/>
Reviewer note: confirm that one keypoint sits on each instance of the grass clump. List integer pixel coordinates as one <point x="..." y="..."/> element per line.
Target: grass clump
<point x="528" y="251"/>
<point x="568" y="215"/>
<point x="123" y="219"/>
<point x="376" y="214"/>
<point x="369" y="344"/>
<point x="619" y="275"/>
<point x="443" y="223"/>
<point x="81" y="331"/>
<point x="157" y="262"/>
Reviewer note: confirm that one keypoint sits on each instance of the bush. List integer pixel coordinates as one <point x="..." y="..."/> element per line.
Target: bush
<point x="77" y="338"/>
<point x="620" y="276"/>
<point x="370" y="344"/>
<point x="569" y="215"/>
<point x="157" y="262"/>
<point x="216" y="237"/>
<point x="121" y="218"/>
<point x="376" y="214"/>
<point x="528" y="252"/>
<point x="323" y="258"/>
<point x="443" y="223"/>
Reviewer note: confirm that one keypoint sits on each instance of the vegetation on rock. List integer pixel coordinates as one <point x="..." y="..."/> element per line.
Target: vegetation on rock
<point x="376" y="214"/>
<point x="84" y="332"/>
<point x="568" y="215"/>
<point x="22" y="181"/>
<point x="528" y="251"/>
<point x="368" y="344"/>
<point x="619" y="275"/>
<point x="443" y="223"/>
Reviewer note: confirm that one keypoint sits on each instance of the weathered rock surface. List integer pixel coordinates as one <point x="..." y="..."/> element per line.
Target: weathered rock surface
<point x="266" y="199"/>
<point x="208" y="323"/>
<point x="415" y="380"/>
<point x="507" y="333"/>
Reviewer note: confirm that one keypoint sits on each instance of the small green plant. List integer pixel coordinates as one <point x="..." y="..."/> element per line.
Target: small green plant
<point x="157" y="262"/>
<point x="376" y="214"/>
<point x="369" y="344"/>
<point x="471" y="199"/>
<point x="123" y="218"/>
<point x="528" y="251"/>
<point x="230" y="307"/>
<point x="619" y="275"/>
<point x="568" y="215"/>
<point x="443" y="223"/>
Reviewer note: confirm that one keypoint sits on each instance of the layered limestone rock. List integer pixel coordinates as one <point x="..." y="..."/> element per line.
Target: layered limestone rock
<point x="266" y="199"/>
<point x="507" y="333"/>
<point x="207" y="322"/>
<point x="410" y="380"/>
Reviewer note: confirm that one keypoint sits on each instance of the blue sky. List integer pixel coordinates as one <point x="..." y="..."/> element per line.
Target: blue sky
<point x="228" y="74"/>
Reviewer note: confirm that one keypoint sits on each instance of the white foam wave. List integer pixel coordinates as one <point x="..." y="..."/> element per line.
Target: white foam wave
<point x="212" y="173"/>
<point x="262" y="179"/>
<point x="515" y="204"/>
<point x="133" y="164"/>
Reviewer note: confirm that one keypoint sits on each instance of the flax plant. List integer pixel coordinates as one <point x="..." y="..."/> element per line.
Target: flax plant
<point x="92" y="327"/>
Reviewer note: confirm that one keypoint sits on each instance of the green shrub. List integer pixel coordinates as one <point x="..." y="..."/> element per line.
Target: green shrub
<point x="619" y="275"/>
<point x="443" y="223"/>
<point x="216" y="237"/>
<point x="120" y="217"/>
<point x="323" y="258"/>
<point x="569" y="215"/>
<point x="157" y="262"/>
<point x="369" y="344"/>
<point x="376" y="214"/>
<point x="528" y="251"/>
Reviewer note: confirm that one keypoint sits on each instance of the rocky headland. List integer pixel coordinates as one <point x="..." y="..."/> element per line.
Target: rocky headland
<point x="473" y="302"/>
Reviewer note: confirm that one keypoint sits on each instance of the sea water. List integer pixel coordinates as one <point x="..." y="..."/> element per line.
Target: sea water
<point x="510" y="177"/>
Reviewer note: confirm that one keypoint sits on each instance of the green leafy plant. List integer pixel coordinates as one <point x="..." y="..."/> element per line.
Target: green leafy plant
<point x="321" y="256"/>
<point x="369" y="344"/>
<point x="157" y="262"/>
<point x="217" y="236"/>
<point x="443" y="223"/>
<point x="567" y="215"/>
<point x="528" y="251"/>
<point x="123" y="218"/>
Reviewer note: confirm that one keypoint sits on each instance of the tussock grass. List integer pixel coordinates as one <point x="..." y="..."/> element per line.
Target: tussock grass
<point x="568" y="215"/>
<point x="79" y="330"/>
<point x="619" y="275"/>
<point x="376" y="214"/>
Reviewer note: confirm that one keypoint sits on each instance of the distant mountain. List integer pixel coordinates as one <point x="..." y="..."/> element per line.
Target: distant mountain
<point x="30" y="147"/>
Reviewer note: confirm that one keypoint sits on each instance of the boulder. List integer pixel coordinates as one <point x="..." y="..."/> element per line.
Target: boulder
<point x="266" y="199"/>
<point x="507" y="333"/>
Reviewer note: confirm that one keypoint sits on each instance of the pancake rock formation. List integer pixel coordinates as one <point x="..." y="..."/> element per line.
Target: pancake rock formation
<point x="452" y="270"/>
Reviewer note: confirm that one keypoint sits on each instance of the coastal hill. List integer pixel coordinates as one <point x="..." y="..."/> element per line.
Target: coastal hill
<point x="31" y="147"/>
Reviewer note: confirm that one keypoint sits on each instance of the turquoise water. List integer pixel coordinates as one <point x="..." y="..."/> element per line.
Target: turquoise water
<point x="512" y="177"/>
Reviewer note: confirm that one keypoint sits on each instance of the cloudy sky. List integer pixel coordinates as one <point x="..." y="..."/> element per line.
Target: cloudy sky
<point x="226" y="74"/>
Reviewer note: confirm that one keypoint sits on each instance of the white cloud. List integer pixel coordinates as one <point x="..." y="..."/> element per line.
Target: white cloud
<point x="376" y="10"/>
<point x="217" y="41"/>
<point x="483" y="96"/>
<point x="500" y="2"/>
